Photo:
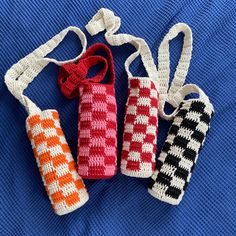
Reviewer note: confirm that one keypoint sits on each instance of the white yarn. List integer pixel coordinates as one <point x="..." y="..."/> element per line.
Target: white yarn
<point x="21" y="74"/>
<point x="105" y="19"/>
<point x="176" y="93"/>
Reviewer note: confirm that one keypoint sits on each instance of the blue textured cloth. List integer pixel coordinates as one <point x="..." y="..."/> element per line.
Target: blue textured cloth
<point x="121" y="205"/>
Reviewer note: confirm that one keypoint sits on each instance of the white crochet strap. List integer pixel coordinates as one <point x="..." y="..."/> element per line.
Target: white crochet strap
<point x="176" y="93"/>
<point x="164" y="59"/>
<point x="105" y="19"/>
<point x="21" y="74"/>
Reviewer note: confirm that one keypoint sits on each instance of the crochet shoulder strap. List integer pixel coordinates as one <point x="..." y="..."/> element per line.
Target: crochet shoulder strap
<point x="71" y="75"/>
<point x="176" y="93"/>
<point x="105" y="19"/>
<point x="21" y="74"/>
<point x="101" y="47"/>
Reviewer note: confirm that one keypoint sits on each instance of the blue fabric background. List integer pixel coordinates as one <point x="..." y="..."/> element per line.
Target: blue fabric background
<point x="121" y="205"/>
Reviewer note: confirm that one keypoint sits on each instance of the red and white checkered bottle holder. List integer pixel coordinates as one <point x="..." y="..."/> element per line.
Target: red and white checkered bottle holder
<point x="141" y="116"/>
<point x="97" y="127"/>
<point x="64" y="186"/>
<point x="140" y="130"/>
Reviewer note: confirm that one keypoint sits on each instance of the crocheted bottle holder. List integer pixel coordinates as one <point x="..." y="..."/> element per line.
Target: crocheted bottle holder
<point x="64" y="186"/>
<point x="97" y="127"/>
<point x="141" y="115"/>
<point x="190" y="125"/>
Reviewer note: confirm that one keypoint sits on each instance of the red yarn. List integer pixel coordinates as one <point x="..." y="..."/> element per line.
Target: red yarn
<point x="72" y="75"/>
<point x="97" y="128"/>
<point x="140" y="131"/>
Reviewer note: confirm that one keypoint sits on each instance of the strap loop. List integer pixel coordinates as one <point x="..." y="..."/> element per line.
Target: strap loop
<point x="176" y="93"/>
<point x="105" y="19"/>
<point x="94" y="49"/>
<point x="72" y="75"/>
<point x="164" y="59"/>
<point x="21" y="74"/>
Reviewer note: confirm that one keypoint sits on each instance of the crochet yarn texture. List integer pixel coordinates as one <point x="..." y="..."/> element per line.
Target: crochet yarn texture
<point x="140" y="132"/>
<point x="190" y="125"/>
<point x="180" y="151"/>
<point x="141" y="114"/>
<point x="97" y="126"/>
<point x="64" y="186"/>
<point x="56" y="164"/>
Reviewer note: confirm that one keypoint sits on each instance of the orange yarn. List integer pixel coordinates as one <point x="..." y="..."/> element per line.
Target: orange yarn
<point x="57" y="167"/>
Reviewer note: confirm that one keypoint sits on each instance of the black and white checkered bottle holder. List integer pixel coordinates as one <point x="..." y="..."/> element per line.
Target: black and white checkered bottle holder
<point x="191" y="122"/>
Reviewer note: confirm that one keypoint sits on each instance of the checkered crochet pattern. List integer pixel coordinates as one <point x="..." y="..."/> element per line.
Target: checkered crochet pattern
<point x="191" y="122"/>
<point x="141" y="118"/>
<point x="97" y="127"/>
<point x="97" y="142"/>
<point x="180" y="151"/>
<point x="140" y="131"/>
<point x="65" y="188"/>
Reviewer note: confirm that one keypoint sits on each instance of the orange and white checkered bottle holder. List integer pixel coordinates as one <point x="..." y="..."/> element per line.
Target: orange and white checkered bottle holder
<point x="141" y="113"/>
<point x="57" y="167"/>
